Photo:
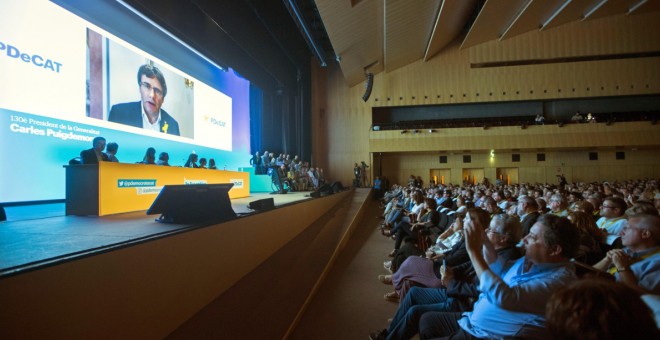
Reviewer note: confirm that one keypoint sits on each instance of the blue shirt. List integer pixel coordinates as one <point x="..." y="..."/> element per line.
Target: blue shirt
<point x="514" y="304"/>
<point x="647" y="270"/>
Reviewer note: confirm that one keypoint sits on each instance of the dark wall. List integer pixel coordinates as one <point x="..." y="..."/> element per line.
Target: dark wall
<point x="552" y="109"/>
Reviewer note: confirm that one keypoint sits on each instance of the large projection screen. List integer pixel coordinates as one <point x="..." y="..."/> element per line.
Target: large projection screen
<point x="65" y="80"/>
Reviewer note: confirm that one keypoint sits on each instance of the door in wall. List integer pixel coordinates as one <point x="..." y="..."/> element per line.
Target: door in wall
<point x="473" y="176"/>
<point x="507" y="176"/>
<point x="440" y="176"/>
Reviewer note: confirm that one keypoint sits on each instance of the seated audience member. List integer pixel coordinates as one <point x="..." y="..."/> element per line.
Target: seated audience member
<point x="459" y="284"/>
<point x="149" y="157"/>
<point x="192" y="161"/>
<point x="613" y="218"/>
<point x="425" y="272"/>
<point x="638" y="264"/>
<point x="528" y="210"/>
<point x="462" y="205"/>
<point x="491" y="206"/>
<point x="95" y="154"/>
<point x="589" y="251"/>
<point x="111" y="151"/>
<point x="596" y="202"/>
<point x="212" y="164"/>
<point x="498" y="196"/>
<point x="585" y="207"/>
<point x="163" y="159"/>
<point x="449" y="238"/>
<point x="406" y="216"/>
<point x="513" y="295"/>
<point x="427" y="217"/>
<point x="638" y="208"/>
<point x="597" y="309"/>
<point x="573" y="198"/>
<point x="202" y="163"/>
<point x="543" y="206"/>
<point x="558" y="205"/>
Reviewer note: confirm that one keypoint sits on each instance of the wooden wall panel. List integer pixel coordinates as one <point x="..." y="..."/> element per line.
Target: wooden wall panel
<point x="633" y="134"/>
<point x="611" y="35"/>
<point x="574" y="165"/>
<point x="342" y="133"/>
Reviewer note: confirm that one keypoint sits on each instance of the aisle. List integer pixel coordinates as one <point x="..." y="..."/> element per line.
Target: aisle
<point x="350" y="303"/>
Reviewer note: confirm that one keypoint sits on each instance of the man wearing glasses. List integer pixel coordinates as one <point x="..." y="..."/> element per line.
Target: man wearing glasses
<point x="637" y="265"/>
<point x="147" y="113"/>
<point x="613" y="219"/>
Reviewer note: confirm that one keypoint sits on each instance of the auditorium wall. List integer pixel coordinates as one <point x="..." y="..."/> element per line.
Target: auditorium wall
<point x="575" y="165"/>
<point x="342" y="120"/>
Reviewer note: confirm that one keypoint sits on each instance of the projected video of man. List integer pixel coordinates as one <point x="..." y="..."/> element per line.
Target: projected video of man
<point x="147" y="112"/>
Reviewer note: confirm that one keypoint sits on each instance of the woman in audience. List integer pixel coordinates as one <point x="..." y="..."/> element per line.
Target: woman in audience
<point x="584" y="206"/>
<point x="590" y="251"/>
<point x="543" y="206"/>
<point x="461" y="207"/>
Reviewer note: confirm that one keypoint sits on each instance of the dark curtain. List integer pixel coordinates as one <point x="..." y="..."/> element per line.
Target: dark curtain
<point x="256" y="117"/>
<point x="281" y="122"/>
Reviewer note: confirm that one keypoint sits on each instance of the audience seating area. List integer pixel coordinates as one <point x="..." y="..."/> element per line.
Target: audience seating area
<point x="485" y="261"/>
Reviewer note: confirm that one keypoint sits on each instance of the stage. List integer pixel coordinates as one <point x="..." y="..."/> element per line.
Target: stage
<point x="35" y="236"/>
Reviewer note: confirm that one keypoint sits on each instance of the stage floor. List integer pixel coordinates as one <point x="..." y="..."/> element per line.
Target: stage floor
<point x="39" y="235"/>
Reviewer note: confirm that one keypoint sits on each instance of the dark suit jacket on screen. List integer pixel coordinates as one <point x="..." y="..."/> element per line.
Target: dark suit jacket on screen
<point x="131" y="114"/>
<point x="89" y="157"/>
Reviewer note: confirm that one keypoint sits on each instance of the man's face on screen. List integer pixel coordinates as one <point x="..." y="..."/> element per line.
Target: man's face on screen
<point x="151" y="92"/>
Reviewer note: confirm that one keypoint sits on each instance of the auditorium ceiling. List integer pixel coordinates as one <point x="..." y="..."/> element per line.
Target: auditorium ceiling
<point x="384" y="35"/>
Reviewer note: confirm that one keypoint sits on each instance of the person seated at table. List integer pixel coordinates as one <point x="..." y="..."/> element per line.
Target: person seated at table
<point x="212" y="164"/>
<point x="202" y="163"/>
<point x="149" y="156"/>
<point x="192" y="161"/>
<point x="111" y="151"/>
<point x="163" y="159"/>
<point x="95" y="154"/>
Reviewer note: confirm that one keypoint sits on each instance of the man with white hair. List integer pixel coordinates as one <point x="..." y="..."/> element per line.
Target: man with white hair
<point x="638" y="264"/>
